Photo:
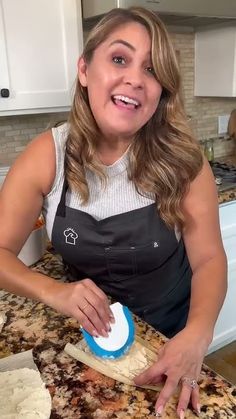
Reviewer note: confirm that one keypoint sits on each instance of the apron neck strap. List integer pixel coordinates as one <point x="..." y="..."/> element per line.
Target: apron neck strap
<point x="61" y="209"/>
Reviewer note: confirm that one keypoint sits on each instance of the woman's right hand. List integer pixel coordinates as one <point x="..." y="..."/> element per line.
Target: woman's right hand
<point x="85" y="302"/>
<point x="32" y="176"/>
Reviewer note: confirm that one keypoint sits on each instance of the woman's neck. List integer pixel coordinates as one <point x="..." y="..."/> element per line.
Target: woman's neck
<point x="108" y="152"/>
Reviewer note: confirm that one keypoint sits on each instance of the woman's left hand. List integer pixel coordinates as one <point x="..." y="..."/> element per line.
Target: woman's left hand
<point x="179" y="362"/>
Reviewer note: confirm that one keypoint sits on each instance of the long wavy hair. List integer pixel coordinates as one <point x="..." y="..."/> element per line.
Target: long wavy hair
<point x="163" y="157"/>
<point x="232" y="124"/>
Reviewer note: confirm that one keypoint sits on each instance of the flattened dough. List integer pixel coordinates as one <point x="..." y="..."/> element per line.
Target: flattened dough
<point x="131" y="364"/>
<point x="23" y="395"/>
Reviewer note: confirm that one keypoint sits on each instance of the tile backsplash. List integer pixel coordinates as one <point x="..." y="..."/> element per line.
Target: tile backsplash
<point x="17" y="131"/>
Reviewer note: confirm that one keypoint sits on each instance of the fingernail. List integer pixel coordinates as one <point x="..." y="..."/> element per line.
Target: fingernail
<point x="198" y="408"/>
<point x="104" y="333"/>
<point x="182" y="414"/>
<point x="159" y="411"/>
<point x="108" y="327"/>
<point x="95" y="334"/>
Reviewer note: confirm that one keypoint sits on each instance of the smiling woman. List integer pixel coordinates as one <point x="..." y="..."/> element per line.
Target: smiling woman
<point x="147" y="76"/>
<point x="129" y="202"/>
<point x="123" y="61"/>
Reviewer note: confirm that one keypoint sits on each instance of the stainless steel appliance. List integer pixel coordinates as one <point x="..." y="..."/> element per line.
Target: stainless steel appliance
<point x="225" y="175"/>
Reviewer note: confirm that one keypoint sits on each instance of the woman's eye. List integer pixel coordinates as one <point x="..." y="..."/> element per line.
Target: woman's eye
<point x="118" y="60"/>
<point x="151" y="70"/>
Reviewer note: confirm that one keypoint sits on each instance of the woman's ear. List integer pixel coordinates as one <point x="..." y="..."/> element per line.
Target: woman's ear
<point x="82" y="71"/>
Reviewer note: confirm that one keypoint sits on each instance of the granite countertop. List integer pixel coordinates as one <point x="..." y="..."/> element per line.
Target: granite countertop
<point x="78" y="391"/>
<point x="229" y="195"/>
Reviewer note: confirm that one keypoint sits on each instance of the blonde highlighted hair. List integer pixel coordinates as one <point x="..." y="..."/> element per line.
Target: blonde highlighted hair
<point x="164" y="157"/>
<point x="232" y="124"/>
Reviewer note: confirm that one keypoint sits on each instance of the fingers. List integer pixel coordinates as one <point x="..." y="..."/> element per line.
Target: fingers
<point x="91" y="307"/>
<point x="105" y="307"/>
<point x="97" y="307"/>
<point x="87" y="324"/>
<point x="151" y="375"/>
<point x="165" y="394"/>
<point x="189" y="389"/>
<point x="195" y="400"/>
<point x="187" y="393"/>
<point x="85" y="302"/>
<point x="180" y="364"/>
<point x="93" y="313"/>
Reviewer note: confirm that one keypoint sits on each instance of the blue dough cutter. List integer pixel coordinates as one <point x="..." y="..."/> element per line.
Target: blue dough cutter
<point x="120" y="338"/>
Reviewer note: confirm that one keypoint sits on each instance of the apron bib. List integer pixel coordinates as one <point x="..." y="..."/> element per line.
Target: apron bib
<point x="133" y="257"/>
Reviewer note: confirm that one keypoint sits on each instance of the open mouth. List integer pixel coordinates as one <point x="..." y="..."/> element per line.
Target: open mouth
<point x="125" y="101"/>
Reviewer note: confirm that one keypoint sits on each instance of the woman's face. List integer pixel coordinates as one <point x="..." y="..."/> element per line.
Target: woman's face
<point x="122" y="89"/>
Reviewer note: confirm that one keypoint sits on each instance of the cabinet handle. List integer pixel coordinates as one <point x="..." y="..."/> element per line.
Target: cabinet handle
<point x="4" y="93"/>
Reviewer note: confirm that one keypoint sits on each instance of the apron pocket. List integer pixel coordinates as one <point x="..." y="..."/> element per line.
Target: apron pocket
<point x="121" y="263"/>
<point x="148" y="257"/>
<point x="154" y="254"/>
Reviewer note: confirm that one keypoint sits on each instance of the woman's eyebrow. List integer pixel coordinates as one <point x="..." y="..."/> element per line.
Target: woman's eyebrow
<point x="121" y="41"/>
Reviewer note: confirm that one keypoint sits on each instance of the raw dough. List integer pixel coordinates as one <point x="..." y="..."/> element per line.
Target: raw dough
<point x="23" y="395"/>
<point x="133" y="363"/>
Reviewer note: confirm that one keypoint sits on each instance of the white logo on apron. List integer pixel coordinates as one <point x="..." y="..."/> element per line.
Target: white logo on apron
<point x="70" y="235"/>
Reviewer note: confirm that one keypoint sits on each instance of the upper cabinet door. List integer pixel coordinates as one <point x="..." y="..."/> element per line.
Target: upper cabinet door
<point x="40" y="42"/>
<point x="215" y="62"/>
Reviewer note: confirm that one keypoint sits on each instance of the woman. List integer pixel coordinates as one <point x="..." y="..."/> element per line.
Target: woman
<point x="232" y="125"/>
<point x="129" y="203"/>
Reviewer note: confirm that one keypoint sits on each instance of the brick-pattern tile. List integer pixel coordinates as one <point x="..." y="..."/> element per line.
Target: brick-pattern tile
<point x="17" y="131"/>
<point x="202" y="110"/>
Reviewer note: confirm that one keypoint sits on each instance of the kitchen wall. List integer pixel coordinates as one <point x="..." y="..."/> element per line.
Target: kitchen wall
<point x="203" y="110"/>
<point x="17" y="131"/>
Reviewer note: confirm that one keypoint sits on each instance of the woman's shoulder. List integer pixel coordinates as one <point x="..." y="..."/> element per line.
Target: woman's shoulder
<point x="60" y="133"/>
<point x="44" y="156"/>
<point x="59" y="137"/>
<point x="37" y="162"/>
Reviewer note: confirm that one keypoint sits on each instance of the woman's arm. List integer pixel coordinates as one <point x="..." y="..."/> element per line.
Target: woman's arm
<point x="21" y="199"/>
<point x="206" y="254"/>
<point x="182" y="355"/>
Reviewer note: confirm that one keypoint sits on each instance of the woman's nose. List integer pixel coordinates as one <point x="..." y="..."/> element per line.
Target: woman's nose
<point x="134" y="76"/>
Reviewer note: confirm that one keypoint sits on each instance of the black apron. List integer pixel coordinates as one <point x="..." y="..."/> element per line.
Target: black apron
<point x="133" y="257"/>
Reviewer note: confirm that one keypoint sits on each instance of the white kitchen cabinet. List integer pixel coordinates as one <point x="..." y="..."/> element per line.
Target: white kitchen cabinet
<point x="225" y="330"/>
<point x="40" y="42"/>
<point x="215" y="62"/>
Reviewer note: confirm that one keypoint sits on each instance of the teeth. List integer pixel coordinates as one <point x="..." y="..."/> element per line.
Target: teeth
<point x="126" y="99"/>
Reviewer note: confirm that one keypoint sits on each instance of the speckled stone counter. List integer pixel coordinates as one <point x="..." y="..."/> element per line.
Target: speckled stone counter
<point x="229" y="195"/>
<point x="78" y="391"/>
